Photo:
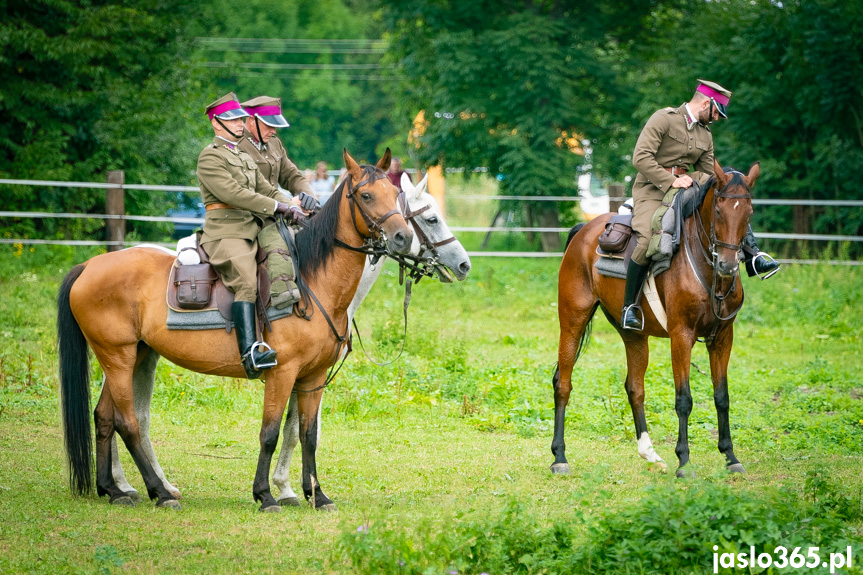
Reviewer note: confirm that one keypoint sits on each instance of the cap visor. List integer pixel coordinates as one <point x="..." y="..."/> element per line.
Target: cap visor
<point x="721" y="108"/>
<point x="233" y="114"/>
<point x="277" y="121"/>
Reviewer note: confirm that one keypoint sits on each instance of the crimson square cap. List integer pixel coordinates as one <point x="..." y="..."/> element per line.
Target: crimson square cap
<point x="226" y="108"/>
<point x="717" y="93"/>
<point x="268" y="110"/>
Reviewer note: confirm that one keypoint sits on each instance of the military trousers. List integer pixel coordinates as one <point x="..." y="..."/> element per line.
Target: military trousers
<point x="646" y="200"/>
<point x="234" y="259"/>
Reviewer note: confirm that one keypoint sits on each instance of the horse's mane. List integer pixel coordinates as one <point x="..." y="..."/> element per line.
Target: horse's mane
<point x="693" y="200"/>
<point x="316" y="243"/>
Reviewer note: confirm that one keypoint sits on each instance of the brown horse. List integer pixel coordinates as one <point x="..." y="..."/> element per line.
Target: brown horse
<point x="701" y="293"/>
<point x="116" y="303"/>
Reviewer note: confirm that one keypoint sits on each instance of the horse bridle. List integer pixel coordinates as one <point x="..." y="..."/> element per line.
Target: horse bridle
<point x="375" y="227"/>
<point x="711" y="256"/>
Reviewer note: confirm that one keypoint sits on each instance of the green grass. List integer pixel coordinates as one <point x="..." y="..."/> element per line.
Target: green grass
<point x="453" y="435"/>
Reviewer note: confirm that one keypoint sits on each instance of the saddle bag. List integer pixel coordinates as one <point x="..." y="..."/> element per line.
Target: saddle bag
<point x="617" y="232"/>
<point x="194" y="285"/>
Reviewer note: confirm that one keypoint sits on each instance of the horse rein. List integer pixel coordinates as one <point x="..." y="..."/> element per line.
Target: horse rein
<point x="711" y="256"/>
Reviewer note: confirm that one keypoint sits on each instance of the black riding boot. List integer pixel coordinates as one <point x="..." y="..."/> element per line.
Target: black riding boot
<point x="256" y="355"/>
<point x="632" y="317"/>
<point x="758" y="263"/>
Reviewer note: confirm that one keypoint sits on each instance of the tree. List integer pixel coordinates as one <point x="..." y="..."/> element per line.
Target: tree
<point x="515" y="86"/>
<point x="89" y="87"/>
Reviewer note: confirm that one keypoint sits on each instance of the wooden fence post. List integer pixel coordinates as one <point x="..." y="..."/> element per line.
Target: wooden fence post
<point x="115" y="205"/>
<point x="615" y="191"/>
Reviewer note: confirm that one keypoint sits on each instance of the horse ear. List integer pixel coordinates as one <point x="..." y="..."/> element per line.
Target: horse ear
<point x="384" y="162"/>
<point x="408" y="186"/>
<point x="352" y="166"/>
<point x="721" y="176"/>
<point x="423" y="186"/>
<point x="754" y="173"/>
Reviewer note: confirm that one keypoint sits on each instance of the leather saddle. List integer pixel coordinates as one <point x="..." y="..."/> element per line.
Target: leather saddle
<point x="617" y="241"/>
<point x="198" y="287"/>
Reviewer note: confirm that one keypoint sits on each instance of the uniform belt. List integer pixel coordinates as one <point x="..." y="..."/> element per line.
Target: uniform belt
<point x="676" y="170"/>
<point x="221" y="207"/>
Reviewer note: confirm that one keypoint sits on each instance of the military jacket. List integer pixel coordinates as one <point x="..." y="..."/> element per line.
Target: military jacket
<point x="665" y="142"/>
<point x="274" y="165"/>
<point x="230" y="176"/>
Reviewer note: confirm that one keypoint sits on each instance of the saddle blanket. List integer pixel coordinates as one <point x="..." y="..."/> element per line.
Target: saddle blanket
<point x="212" y="319"/>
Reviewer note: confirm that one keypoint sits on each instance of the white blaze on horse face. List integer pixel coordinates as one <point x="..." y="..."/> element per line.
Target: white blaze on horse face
<point x="645" y="448"/>
<point x="737" y="203"/>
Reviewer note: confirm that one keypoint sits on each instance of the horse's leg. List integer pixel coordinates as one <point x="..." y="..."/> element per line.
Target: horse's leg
<point x="104" y="419"/>
<point x="290" y="438"/>
<point x="119" y="364"/>
<point x="576" y="306"/>
<point x="720" y="352"/>
<point x="144" y="379"/>
<point x="309" y="405"/>
<point x="681" y="355"/>
<point x="637" y="358"/>
<point x="276" y="396"/>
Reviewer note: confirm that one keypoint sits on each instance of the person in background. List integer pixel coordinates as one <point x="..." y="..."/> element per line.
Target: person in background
<point x="395" y="173"/>
<point x="322" y="183"/>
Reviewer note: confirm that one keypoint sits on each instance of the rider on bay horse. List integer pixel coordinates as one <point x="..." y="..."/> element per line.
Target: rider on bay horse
<point x="239" y="202"/>
<point x="671" y="141"/>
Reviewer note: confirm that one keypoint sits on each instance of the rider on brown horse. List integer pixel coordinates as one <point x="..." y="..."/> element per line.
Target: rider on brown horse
<point x="673" y="140"/>
<point x="238" y="201"/>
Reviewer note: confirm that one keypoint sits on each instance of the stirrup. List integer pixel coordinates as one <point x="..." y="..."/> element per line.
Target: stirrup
<point x="634" y="308"/>
<point x="769" y="259"/>
<point x="251" y="355"/>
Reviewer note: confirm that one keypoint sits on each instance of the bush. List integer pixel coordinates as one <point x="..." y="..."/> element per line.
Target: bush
<point x="673" y="529"/>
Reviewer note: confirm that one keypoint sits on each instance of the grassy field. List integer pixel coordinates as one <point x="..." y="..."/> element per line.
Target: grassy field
<point x="454" y="436"/>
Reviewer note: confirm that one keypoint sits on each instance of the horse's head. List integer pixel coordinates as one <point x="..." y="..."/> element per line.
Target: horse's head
<point x="732" y="209"/>
<point x="374" y="204"/>
<point x="432" y="238"/>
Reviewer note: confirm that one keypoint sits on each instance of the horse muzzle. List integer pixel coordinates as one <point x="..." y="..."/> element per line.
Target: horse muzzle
<point x="400" y="242"/>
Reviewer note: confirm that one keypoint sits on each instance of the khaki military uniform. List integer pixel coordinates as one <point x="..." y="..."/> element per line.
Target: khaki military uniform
<point x="274" y="165"/>
<point x="666" y="141"/>
<point x="230" y="176"/>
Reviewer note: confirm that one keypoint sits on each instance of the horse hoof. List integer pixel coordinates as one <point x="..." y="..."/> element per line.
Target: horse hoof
<point x="658" y="466"/>
<point x="135" y="496"/>
<point x="270" y="509"/>
<point x="123" y="500"/>
<point x="685" y="473"/>
<point x="289" y="502"/>
<point x="175" y="492"/>
<point x="736" y="468"/>
<point x="560" y="468"/>
<point x="327" y="507"/>
<point x="169" y="504"/>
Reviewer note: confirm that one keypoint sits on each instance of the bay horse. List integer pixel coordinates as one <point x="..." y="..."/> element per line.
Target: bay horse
<point x="433" y="243"/>
<point x="701" y="293"/>
<point x="116" y="304"/>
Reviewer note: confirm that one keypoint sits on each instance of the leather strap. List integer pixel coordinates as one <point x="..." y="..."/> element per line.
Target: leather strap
<point x="677" y="170"/>
<point x="219" y="206"/>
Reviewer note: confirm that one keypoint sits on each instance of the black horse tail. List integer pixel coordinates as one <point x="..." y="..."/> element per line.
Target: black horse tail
<point x="572" y="232"/>
<point x="74" y="390"/>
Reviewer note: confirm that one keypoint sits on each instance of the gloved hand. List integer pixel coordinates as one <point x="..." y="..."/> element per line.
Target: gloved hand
<point x="308" y="202"/>
<point x="293" y="214"/>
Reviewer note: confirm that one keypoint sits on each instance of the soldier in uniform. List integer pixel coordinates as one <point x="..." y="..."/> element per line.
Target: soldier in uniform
<point x="260" y="142"/>
<point x="673" y="140"/>
<point x="238" y="200"/>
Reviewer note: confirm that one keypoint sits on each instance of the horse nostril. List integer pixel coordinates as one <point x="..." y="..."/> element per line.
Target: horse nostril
<point x="464" y="267"/>
<point x="400" y="239"/>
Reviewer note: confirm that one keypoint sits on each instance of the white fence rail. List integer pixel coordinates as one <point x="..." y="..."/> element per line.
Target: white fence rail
<point x="451" y="197"/>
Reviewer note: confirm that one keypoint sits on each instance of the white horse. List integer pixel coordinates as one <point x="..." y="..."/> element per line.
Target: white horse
<point x="449" y="260"/>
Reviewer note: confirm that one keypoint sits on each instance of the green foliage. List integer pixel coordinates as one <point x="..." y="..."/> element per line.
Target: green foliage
<point x="671" y="529"/>
<point x="88" y="88"/>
